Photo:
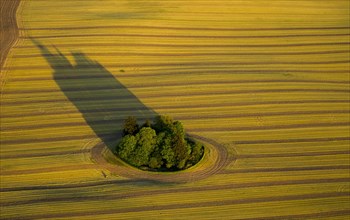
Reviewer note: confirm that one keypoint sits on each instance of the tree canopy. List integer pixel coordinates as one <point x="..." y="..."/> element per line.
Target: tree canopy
<point x="161" y="145"/>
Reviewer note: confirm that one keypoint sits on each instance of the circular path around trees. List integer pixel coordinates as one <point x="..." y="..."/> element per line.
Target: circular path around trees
<point x="215" y="159"/>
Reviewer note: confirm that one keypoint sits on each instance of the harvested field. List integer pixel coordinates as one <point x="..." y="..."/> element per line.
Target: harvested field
<point x="9" y="29"/>
<point x="265" y="84"/>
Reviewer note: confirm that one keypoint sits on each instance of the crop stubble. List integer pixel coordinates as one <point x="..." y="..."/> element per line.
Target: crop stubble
<point x="306" y="55"/>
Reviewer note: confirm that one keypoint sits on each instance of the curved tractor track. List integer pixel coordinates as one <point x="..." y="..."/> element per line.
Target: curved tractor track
<point x="215" y="159"/>
<point x="9" y="30"/>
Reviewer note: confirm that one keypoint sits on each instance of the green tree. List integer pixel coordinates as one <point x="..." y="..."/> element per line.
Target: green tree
<point x="159" y="145"/>
<point x="168" y="155"/>
<point x="147" y="124"/>
<point x="163" y="123"/>
<point x="196" y="152"/>
<point x="181" y="150"/>
<point x="126" y="146"/>
<point x="164" y="147"/>
<point x="130" y="126"/>
<point x="146" y="141"/>
<point x="155" y="163"/>
<point x="178" y="129"/>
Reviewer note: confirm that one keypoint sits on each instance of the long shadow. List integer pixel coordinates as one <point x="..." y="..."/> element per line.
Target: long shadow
<point x="103" y="101"/>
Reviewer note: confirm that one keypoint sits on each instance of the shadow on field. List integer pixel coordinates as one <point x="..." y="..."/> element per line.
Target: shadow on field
<point x="103" y="101"/>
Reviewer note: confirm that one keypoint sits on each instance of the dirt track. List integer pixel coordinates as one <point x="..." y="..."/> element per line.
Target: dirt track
<point x="9" y="30"/>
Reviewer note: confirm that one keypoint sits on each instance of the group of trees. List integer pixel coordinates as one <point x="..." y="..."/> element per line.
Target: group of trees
<point x="161" y="145"/>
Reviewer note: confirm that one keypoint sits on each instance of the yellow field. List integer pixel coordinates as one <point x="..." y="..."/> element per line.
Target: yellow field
<point x="268" y="81"/>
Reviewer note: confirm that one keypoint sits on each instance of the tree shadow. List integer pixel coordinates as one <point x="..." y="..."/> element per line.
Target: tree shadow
<point x="103" y="100"/>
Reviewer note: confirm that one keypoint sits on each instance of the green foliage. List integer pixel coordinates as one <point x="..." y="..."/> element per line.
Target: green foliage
<point x="130" y="126"/>
<point x="154" y="163"/>
<point x="178" y="129"/>
<point x="196" y="153"/>
<point x="147" y="124"/>
<point x="159" y="146"/>
<point x="168" y="155"/>
<point x="126" y="146"/>
<point x="162" y="123"/>
<point x="146" y="140"/>
<point x="179" y="147"/>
